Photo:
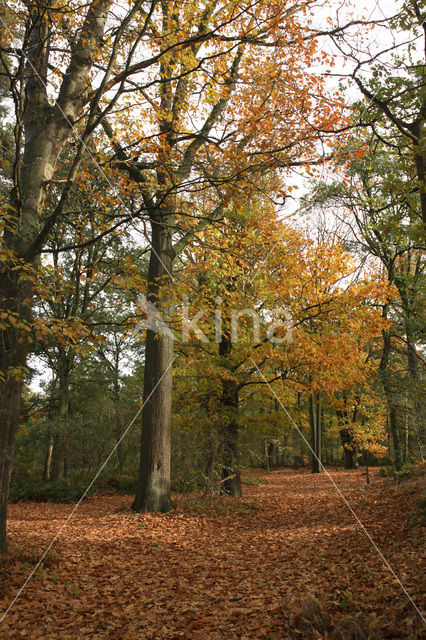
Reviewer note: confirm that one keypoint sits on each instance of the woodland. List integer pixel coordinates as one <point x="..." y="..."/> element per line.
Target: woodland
<point x="212" y="319"/>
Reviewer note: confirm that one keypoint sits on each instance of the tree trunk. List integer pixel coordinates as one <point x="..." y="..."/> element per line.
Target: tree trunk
<point x="118" y="427"/>
<point x="153" y="491"/>
<point x="64" y="366"/>
<point x="13" y="355"/>
<point x="296" y="439"/>
<point x="266" y="448"/>
<point x="413" y="367"/>
<point x="10" y="401"/>
<point x="315" y="420"/>
<point x="57" y="458"/>
<point x="349" y="449"/>
<point x="407" y="434"/>
<point x="319" y="432"/>
<point x="48" y="460"/>
<point x="230" y="446"/>
<point x="387" y="387"/>
<point x="394" y="430"/>
<point x="229" y="429"/>
<point x="418" y="128"/>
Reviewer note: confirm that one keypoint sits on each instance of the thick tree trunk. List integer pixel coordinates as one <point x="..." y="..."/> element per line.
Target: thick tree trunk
<point x="230" y="453"/>
<point x="230" y="466"/>
<point x="413" y="367"/>
<point x="10" y="402"/>
<point x="153" y="491"/>
<point x="420" y="158"/>
<point x="230" y="459"/>
<point x="349" y="449"/>
<point x="350" y="453"/>
<point x="229" y="430"/>
<point x="13" y="356"/>
<point x="407" y="294"/>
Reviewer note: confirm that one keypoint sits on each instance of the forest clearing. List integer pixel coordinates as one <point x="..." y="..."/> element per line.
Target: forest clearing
<point x="213" y="568"/>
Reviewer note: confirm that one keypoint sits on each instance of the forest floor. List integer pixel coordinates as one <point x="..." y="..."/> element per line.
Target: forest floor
<point x="216" y="568"/>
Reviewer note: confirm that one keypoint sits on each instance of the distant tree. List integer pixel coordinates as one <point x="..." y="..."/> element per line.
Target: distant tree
<point x="380" y="212"/>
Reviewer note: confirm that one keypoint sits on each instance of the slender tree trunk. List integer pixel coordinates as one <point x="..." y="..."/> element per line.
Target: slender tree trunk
<point x="296" y="444"/>
<point x="386" y="382"/>
<point x="57" y="458"/>
<point x="117" y="416"/>
<point x="64" y="413"/>
<point x="60" y="456"/>
<point x="315" y="419"/>
<point x="407" y="434"/>
<point x="153" y="491"/>
<point x="48" y="460"/>
<point x="319" y="432"/>
<point x="266" y="449"/>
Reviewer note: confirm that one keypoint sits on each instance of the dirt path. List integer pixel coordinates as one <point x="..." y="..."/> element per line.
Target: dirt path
<point x="217" y="569"/>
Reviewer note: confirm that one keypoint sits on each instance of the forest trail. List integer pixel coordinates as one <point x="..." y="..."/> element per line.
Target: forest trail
<point x="217" y="568"/>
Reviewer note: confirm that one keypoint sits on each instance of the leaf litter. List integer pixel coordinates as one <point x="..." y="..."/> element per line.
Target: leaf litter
<point x="271" y="565"/>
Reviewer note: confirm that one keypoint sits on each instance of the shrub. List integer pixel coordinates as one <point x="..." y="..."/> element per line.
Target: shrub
<point x="118" y="484"/>
<point x="53" y="491"/>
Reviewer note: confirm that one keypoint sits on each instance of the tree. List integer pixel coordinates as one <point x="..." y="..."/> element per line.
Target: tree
<point x="48" y="60"/>
<point x="327" y="355"/>
<point x="395" y="88"/>
<point x="381" y="217"/>
<point x="221" y="119"/>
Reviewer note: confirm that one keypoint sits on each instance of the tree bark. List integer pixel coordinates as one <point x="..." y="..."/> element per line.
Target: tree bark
<point x="387" y="387"/>
<point x="315" y="420"/>
<point x="229" y="429"/>
<point x="349" y="449"/>
<point x="13" y="356"/>
<point x="350" y="453"/>
<point x="266" y="449"/>
<point x="413" y="367"/>
<point x="118" y="427"/>
<point x="10" y="402"/>
<point x="153" y="491"/>
<point x="48" y="460"/>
